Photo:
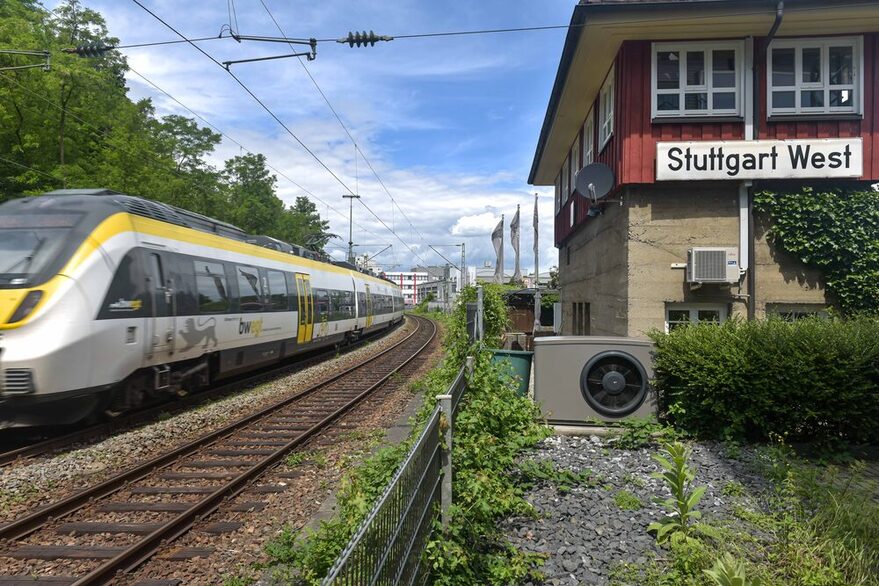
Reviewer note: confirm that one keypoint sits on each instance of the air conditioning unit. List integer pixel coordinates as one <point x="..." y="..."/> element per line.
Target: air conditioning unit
<point x="713" y="264"/>
<point x="581" y="380"/>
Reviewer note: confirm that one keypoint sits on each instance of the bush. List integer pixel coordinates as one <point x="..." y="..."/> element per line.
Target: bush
<point x="811" y="380"/>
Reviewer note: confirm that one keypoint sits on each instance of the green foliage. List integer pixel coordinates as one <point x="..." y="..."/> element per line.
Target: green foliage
<point x="836" y="231"/>
<point x="627" y="501"/>
<point x="492" y="428"/>
<point x="535" y="471"/>
<point x="728" y="571"/>
<point x="810" y="380"/>
<point x="678" y="477"/>
<point x="75" y="127"/>
<point x="640" y="432"/>
<point x="733" y="488"/>
<point x="456" y="341"/>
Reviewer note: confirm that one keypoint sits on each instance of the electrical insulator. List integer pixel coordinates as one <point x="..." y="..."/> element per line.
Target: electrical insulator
<point x="91" y="50"/>
<point x="362" y="39"/>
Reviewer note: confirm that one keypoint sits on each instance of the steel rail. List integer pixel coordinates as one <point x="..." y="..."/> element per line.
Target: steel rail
<point x="141" y="551"/>
<point x="146" y="415"/>
<point x="30" y="523"/>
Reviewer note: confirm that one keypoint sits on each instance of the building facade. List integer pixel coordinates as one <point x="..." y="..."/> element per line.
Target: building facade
<point x="408" y="282"/>
<point x="695" y="105"/>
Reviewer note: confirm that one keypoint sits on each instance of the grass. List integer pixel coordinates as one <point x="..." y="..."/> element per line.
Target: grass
<point x="627" y="501"/>
<point x="307" y="457"/>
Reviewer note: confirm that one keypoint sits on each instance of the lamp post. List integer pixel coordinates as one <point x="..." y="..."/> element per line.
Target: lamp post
<point x="351" y="199"/>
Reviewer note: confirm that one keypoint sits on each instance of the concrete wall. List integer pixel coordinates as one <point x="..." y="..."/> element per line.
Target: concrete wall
<point x="664" y="222"/>
<point x="597" y="274"/>
<point x="621" y="261"/>
<point x="781" y="278"/>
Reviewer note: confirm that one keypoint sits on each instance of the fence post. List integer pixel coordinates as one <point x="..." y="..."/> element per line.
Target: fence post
<point x="445" y="403"/>
<point x="470" y="365"/>
<point x="480" y="322"/>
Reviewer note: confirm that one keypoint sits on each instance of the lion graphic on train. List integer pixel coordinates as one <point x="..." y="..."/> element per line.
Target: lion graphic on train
<point x="204" y="331"/>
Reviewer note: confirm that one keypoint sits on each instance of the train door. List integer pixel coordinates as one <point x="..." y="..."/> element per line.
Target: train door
<point x="161" y="324"/>
<point x="368" y="307"/>
<point x="306" y="308"/>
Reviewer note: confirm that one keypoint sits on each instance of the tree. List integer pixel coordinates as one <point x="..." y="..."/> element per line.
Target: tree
<point x="253" y="205"/>
<point x="302" y="224"/>
<point x="187" y="142"/>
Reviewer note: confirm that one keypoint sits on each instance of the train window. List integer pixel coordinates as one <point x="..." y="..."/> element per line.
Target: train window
<point x="321" y="305"/>
<point x="343" y="305"/>
<point x="156" y="274"/>
<point x="277" y="291"/>
<point x="250" y="293"/>
<point x="210" y="282"/>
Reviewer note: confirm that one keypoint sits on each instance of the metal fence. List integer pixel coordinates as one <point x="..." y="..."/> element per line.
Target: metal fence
<point x="387" y="547"/>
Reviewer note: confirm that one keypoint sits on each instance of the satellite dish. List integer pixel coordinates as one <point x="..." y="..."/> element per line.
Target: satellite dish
<point x="594" y="181"/>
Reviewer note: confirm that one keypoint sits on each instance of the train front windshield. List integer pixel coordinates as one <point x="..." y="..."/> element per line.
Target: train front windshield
<point x="32" y="246"/>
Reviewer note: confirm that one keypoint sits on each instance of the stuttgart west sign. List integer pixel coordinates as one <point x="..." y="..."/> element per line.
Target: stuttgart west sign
<point x="760" y="159"/>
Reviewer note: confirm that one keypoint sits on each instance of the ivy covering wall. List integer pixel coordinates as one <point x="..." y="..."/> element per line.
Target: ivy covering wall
<point x="835" y="231"/>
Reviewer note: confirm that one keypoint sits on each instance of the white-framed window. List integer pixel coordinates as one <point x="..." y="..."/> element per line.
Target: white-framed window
<point x="698" y="79"/>
<point x="815" y="76"/>
<point x="558" y="193"/>
<point x="684" y="314"/>
<point x="566" y="181"/>
<point x="575" y="163"/>
<point x="605" y="110"/>
<point x="589" y="138"/>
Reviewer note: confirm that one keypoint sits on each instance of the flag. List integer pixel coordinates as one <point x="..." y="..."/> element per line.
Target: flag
<point x="497" y="239"/>
<point x="536" y="247"/>
<point x="514" y="240"/>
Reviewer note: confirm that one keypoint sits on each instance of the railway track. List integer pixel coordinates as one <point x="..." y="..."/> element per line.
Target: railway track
<point x="120" y="523"/>
<point x="54" y="443"/>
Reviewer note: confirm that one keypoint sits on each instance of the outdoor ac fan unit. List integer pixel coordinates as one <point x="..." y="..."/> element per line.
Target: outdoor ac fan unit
<point x="581" y="379"/>
<point x="713" y="265"/>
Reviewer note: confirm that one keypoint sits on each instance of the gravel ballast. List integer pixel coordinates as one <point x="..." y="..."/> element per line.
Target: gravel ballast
<point x="585" y="532"/>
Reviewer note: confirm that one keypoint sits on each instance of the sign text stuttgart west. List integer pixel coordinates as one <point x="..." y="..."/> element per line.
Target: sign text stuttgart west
<point x="760" y="159"/>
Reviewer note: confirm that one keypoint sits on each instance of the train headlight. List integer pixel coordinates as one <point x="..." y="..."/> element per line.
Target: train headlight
<point x="26" y="306"/>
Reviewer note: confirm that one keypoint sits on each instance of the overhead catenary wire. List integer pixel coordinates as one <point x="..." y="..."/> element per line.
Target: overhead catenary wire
<point x="133" y="154"/>
<point x="481" y="31"/>
<point x="35" y="170"/>
<point x="273" y="115"/>
<point x="357" y="148"/>
<point x="244" y="148"/>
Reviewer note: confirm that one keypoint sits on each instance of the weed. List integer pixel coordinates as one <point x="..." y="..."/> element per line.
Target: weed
<point x="733" y="488"/>
<point x="307" y="457"/>
<point x="534" y="471"/>
<point x="639" y="432"/>
<point x="634" y="480"/>
<point x="728" y="571"/>
<point x="627" y="501"/>
<point x="678" y="476"/>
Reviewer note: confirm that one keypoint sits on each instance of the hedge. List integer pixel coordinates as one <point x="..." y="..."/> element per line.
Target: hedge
<point x="810" y="380"/>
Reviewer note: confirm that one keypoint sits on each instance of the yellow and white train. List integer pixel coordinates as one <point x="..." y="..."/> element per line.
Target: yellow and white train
<point x="108" y="301"/>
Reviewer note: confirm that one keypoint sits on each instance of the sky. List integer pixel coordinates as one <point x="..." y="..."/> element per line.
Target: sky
<point x="449" y="124"/>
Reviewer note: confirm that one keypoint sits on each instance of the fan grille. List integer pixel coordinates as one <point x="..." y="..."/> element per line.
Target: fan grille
<point x="614" y="384"/>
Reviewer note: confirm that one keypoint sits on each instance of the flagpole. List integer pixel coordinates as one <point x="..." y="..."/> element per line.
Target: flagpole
<point x="537" y="304"/>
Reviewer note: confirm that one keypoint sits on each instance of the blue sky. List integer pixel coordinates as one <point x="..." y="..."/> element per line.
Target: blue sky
<point x="450" y="124"/>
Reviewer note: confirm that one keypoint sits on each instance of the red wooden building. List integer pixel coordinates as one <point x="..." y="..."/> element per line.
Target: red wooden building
<point x="694" y="104"/>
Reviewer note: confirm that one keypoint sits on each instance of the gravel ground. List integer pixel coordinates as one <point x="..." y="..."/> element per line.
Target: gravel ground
<point x="38" y="482"/>
<point x="585" y="532"/>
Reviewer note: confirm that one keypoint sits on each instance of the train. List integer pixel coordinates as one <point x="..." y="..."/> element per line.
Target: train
<point x="110" y="301"/>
